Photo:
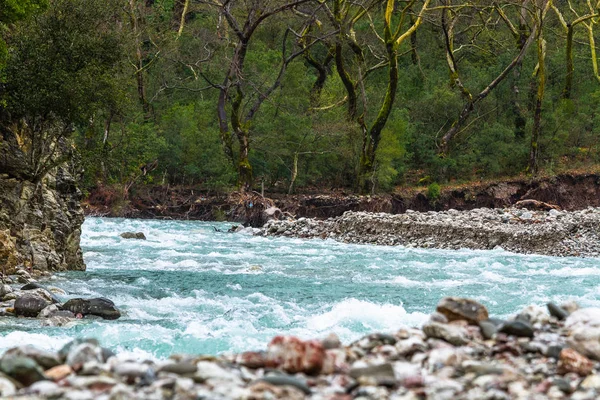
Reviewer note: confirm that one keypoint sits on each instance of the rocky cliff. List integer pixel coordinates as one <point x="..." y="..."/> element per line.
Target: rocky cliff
<point x="40" y="212"/>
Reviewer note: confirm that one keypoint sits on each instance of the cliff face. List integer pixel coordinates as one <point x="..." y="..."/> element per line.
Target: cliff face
<point x="40" y="213"/>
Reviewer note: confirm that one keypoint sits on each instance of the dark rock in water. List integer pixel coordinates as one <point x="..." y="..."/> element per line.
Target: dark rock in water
<point x="287" y="380"/>
<point x="455" y="308"/>
<point x="30" y="305"/>
<point x="133" y="235"/>
<point x="517" y="328"/>
<point x="22" y="369"/>
<point x="557" y="311"/>
<point x="34" y="286"/>
<point x="99" y="306"/>
<point x="488" y="329"/>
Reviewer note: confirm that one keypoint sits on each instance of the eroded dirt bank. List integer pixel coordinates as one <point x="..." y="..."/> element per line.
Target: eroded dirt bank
<point x="569" y="192"/>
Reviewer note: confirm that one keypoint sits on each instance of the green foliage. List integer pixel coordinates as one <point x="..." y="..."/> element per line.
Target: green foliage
<point x="434" y="191"/>
<point x="96" y="62"/>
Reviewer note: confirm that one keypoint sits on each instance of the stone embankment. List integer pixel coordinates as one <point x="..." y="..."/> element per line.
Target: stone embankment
<point x="555" y="233"/>
<point x="460" y="353"/>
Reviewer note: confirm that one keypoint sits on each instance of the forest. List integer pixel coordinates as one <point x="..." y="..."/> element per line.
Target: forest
<point x="292" y="95"/>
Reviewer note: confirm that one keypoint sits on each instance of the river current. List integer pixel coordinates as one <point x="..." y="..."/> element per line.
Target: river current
<point x="191" y="288"/>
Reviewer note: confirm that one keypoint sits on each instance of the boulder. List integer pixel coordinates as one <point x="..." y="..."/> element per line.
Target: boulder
<point x="517" y="328"/>
<point x="453" y="334"/>
<point x="22" y="369"/>
<point x="30" y="305"/>
<point x="42" y="291"/>
<point x="295" y="355"/>
<point x="133" y="235"/>
<point x="43" y="358"/>
<point x="100" y="306"/>
<point x="456" y="308"/>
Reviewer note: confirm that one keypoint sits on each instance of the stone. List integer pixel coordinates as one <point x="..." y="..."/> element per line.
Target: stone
<point x="45" y="389"/>
<point x="22" y="369"/>
<point x="83" y="353"/>
<point x="287" y="380"/>
<point x="99" y="306"/>
<point x="131" y="369"/>
<point x="456" y="308"/>
<point x="452" y="334"/>
<point x="591" y="382"/>
<point x="488" y="329"/>
<point x="332" y="341"/>
<point x="532" y="315"/>
<point x="48" y="311"/>
<point x="30" y="305"/>
<point x="7" y="388"/>
<point x="59" y="372"/>
<point x="294" y="355"/>
<point x="40" y="290"/>
<point x="377" y="372"/>
<point x="556" y="311"/>
<point x="43" y="358"/>
<point x="179" y="368"/>
<point x="517" y="328"/>
<point x="133" y="235"/>
<point x="572" y="361"/>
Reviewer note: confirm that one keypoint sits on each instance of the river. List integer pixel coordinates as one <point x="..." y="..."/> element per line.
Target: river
<point x="191" y="288"/>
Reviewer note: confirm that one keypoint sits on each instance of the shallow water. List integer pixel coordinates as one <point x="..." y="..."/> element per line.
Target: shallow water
<point x="191" y="289"/>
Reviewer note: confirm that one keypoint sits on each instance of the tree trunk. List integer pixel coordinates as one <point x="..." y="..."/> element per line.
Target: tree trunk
<point x="370" y="145"/>
<point x="537" y="116"/>
<point x="569" y="62"/>
<point x="294" y="174"/>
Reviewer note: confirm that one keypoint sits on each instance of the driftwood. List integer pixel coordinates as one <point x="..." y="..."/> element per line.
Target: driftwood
<point x="536" y="205"/>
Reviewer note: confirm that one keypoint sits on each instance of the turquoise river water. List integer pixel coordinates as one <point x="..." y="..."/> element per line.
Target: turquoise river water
<point x="191" y="289"/>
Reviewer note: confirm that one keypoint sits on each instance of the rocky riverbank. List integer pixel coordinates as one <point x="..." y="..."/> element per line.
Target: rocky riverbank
<point x="460" y="353"/>
<point x="553" y="232"/>
<point x="21" y="295"/>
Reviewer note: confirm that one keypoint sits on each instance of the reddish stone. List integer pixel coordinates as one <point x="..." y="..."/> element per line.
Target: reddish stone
<point x="572" y="361"/>
<point x="59" y="372"/>
<point x="253" y="359"/>
<point x="294" y="355"/>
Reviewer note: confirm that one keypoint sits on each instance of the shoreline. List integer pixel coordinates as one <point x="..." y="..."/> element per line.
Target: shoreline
<point x="551" y="233"/>
<point x="460" y="352"/>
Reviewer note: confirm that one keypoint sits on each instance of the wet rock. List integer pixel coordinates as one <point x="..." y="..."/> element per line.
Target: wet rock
<point x="287" y="380"/>
<point x="44" y="359"/>
<point x="99" y="306"/>
<point x="294" y="355"/>
<point x="456" y="308"/>
<point x="517" y="328"/>
<point x="24" y="370"/>
<point x="572" y="361"/>
<point x="133" y="235"/>
<point x="30" y="305"/>
<point x="556" y="311"/>
<point x="41" y="291"/>
<point x="48" y="311"/>
<point x="452" y="334"/>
